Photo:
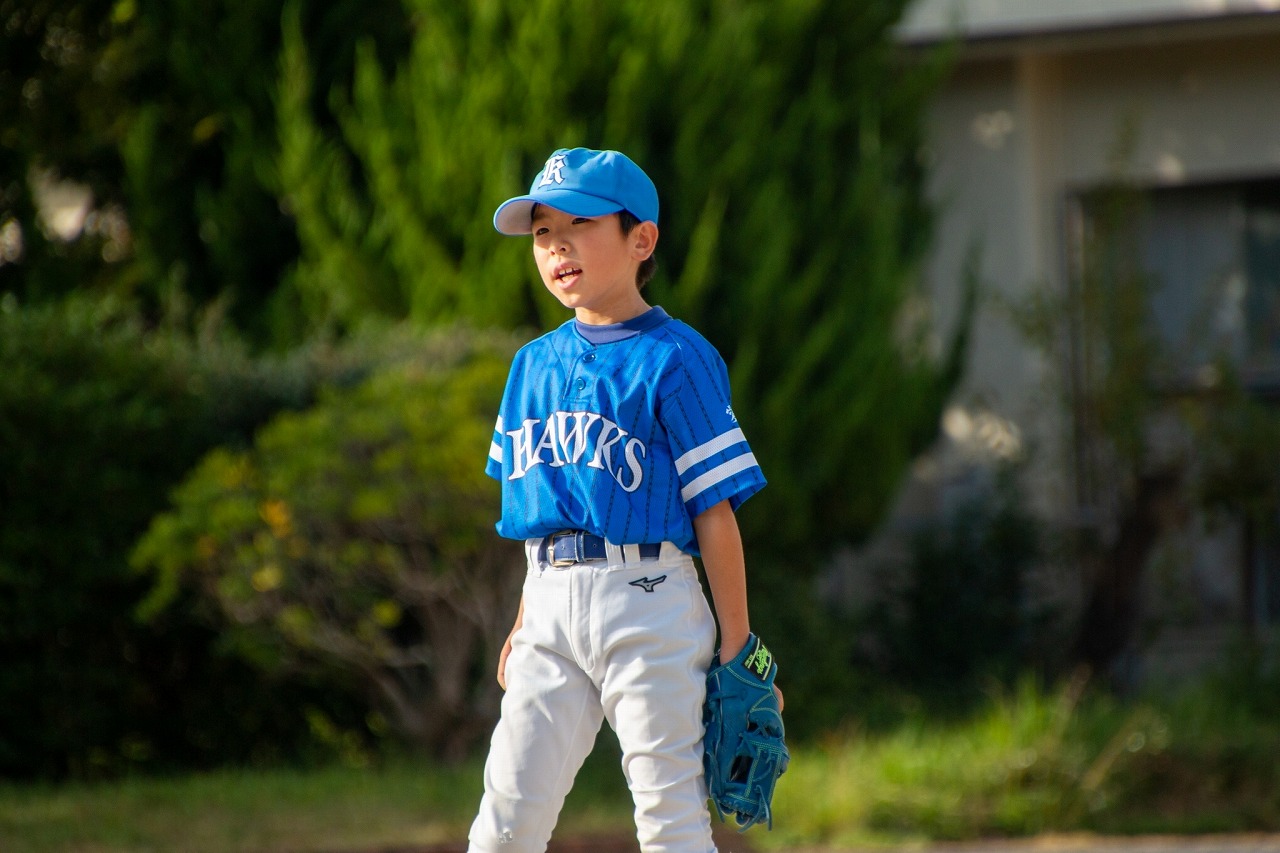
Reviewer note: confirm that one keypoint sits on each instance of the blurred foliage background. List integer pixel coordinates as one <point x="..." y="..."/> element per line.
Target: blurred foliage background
<point x="254" y="321"/>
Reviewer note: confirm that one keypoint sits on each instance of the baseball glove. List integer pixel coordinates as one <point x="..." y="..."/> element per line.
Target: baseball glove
<point x="744" y="751"/>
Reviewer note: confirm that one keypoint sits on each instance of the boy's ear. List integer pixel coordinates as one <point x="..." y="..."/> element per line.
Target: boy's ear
<point x="644" y="239"/>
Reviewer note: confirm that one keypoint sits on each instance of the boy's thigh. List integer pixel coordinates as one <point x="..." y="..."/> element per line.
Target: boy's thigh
<point x="550" y="705"/>
<point x="655" y="681"/>
<point x="550" y="717"/>
<point x="653" y="696"/>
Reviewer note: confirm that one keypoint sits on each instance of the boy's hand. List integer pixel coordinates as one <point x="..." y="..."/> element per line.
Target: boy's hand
<point x="506" y="647"/>
<point x="502" y="662"/>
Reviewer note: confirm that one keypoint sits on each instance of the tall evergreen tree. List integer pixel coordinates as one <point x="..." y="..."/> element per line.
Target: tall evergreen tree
<point x="162" y="110"/>
<point x="782" y="135"/>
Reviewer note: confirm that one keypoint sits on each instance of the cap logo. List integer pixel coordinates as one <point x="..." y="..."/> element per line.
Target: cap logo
<point x="581" y="182"/>
<point x="553" y="172"/>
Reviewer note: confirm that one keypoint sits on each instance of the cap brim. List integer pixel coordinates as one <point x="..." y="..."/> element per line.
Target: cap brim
<point x="515" y="216"/>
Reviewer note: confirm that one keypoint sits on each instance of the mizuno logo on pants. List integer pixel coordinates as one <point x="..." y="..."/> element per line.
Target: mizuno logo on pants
<point x="648" y="585"/>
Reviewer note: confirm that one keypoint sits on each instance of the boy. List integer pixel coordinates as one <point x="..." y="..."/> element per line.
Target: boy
<point x="620" y="459"/>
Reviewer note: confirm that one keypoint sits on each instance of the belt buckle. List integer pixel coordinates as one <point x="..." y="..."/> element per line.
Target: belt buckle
<point x="563" y="562"/>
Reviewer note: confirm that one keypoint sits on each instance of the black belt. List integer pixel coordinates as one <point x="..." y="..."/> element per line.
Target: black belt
<point x="577" y="546"/>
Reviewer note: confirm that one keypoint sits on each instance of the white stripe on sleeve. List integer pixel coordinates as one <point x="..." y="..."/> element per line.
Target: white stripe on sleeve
<point x="495" y="449"/>
<point x="706" y="451"/>
<point x="717" y="475"/>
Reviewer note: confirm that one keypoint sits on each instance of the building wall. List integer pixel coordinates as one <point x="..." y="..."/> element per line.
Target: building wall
<point x="1013" y="138"/>
<point x="931" y="20"/>
<point x="1203" y="109"/>
<point x="1025" y="123"/>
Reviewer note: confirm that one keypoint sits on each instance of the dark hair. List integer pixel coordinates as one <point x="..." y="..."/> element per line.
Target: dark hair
<point x="628" y="221"/>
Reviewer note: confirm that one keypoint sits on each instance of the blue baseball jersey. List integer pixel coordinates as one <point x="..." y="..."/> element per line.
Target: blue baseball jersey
<point x="623" y="431"/>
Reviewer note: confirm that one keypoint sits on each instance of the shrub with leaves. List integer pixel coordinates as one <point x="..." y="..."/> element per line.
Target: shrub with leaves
<point x="101" y="414"/>
<point x="357" y="538"/>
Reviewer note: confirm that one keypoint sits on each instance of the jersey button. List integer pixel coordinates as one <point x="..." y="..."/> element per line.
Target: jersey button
<point x="589" y="357"/>
<point x="582" y="383"/>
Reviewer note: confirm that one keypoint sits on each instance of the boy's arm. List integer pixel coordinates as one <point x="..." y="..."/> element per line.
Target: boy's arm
<point x="722" y="559"/>
<point x="721" y="545"/>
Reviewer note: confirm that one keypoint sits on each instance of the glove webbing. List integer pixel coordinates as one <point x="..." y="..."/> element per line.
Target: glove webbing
<point x="770" y="762"/>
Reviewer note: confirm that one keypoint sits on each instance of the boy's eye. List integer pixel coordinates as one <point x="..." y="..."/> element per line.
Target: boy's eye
<point x="578" y="219"/>
<point x="538" y="232"/>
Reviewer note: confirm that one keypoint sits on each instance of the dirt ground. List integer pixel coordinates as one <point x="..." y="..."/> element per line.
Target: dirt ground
<point x="1083" y="843"/>
<point x="729" y="841"/>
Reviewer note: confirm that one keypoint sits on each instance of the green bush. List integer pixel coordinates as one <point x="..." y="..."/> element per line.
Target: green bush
<point x="355" y="540"/>
<point x="99" y="418"/>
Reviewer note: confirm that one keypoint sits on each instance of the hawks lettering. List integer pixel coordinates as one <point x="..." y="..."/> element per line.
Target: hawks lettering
<point x="573" y="440"/>
<point x="566" y="438"/>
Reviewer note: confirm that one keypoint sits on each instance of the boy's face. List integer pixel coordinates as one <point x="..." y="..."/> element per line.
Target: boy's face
<point x="590" y="265"/>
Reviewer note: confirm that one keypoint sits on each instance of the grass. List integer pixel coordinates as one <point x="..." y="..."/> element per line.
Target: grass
<point x="331" y="809"/>
<point x="399" y="804"/>
<point x="1027" y="763"/>
<point x="1032" y="763"/>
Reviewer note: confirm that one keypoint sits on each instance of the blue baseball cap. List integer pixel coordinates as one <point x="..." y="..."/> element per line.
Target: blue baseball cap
<point x="582" y="182"/>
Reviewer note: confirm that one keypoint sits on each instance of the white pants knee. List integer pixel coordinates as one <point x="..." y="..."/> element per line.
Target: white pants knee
<point x="624" y="640"/>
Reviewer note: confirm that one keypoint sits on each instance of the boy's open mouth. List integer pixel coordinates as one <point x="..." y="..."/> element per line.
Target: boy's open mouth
<point x="567" y="272"/>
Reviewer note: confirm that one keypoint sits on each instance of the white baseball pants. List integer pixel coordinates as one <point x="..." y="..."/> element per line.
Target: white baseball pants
<point x="624" y="640"/>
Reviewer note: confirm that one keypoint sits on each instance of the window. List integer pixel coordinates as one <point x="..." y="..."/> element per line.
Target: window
<point x="1206" y="260"/>
<point x="1213" y="257"/>
<point x="1261" y="585"/>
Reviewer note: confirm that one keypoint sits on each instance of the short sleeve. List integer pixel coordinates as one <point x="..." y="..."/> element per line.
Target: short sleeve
<point x="497" y="446"/>
<point x="493" y="465"/>
<point x="713" y="460"/>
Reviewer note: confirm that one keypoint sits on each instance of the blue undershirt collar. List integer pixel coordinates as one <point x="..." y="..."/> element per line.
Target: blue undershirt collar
<point x="621" y="331"/>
